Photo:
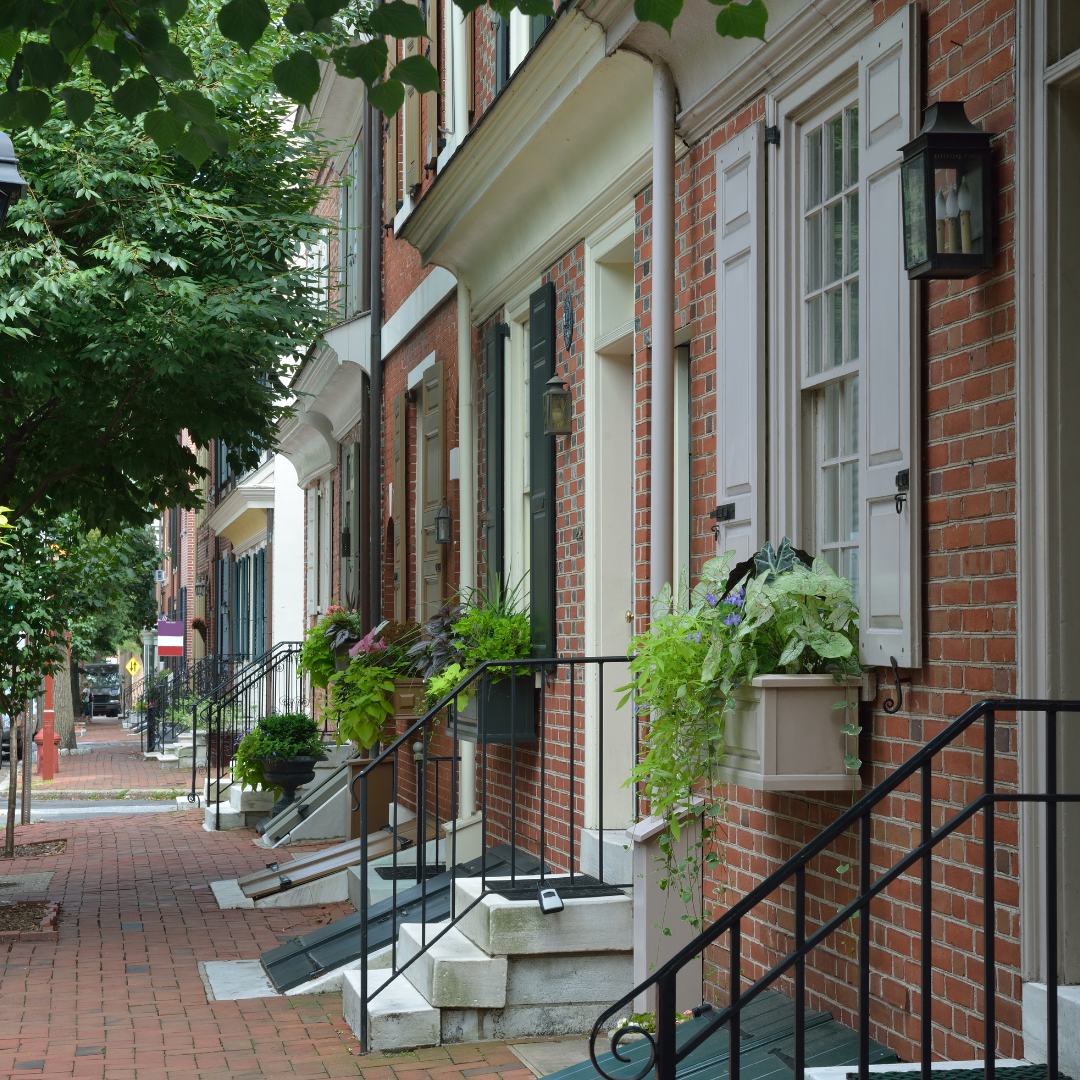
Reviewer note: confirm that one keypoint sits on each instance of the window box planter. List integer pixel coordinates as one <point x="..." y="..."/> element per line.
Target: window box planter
<point x="784" y="735"/>
<point x="380" y="795"/>
<point x="502" y="711"/>
<point x="408" y="694"/>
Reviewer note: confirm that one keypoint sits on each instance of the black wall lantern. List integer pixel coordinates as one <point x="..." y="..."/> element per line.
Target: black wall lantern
<point x="444" y="525"/>
<point x="948" y="196"/>
<point x="12" y="184"/>
<point x="557" y="408"/>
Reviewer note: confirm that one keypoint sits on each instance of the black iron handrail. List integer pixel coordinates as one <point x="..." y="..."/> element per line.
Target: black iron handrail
<point x="419" y="731"/>
<point x="270" y="683"/>
<point x="665" y="1055"/>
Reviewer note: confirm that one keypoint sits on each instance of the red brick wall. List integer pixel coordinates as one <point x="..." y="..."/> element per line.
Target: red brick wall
<point x="969" y="566"/>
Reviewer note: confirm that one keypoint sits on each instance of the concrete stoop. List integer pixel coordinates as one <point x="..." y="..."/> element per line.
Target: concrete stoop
<point x="244" y="809"/>
<point x="504" y="971"/>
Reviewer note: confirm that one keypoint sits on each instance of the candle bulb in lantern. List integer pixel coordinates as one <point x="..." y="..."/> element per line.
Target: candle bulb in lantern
<point x="952" y="216"/>
<point x="963" y="201"/>
<point x="939" y="213"/>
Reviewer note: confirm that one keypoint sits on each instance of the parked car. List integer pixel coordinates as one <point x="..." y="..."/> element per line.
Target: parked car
<point x="5" y="741"/>
<point x="102" y="689"/>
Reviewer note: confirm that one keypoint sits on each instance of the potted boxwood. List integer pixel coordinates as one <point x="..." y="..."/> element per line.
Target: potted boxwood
<point x="489" y="624"/>
<point x="279" y="755"/>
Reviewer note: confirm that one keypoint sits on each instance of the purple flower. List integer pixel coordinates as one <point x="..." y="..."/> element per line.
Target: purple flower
<point x="711" y="598"/>
<point x="732" y="620"/>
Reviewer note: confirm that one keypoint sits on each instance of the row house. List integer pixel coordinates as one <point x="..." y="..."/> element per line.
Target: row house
<point x="703" y="238"/>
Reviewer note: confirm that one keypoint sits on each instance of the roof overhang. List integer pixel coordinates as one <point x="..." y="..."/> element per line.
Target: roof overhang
<point x="242" y="513"/>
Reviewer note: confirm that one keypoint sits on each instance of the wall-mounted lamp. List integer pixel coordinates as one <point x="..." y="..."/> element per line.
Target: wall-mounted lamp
<point x="557" y="408"/>
<point x="947" y="180"/>
<point x="200" y="588"/>
<point x="444" y="525"/>
<point x="12" y="185"/>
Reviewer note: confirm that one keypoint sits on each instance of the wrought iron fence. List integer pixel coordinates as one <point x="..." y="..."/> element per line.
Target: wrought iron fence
<point x="271" y="683"/>
<point x="532" y="726"/>
<point x="168" y="697"/>
<point x="665" y="1054"/>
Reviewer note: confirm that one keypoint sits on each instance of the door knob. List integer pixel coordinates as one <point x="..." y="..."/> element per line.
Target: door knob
<point x="629" y="615"/>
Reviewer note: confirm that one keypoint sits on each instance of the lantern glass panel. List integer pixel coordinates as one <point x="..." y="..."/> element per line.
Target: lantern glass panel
<point x="916" y="241"/>
<point x="557" y="411"/>
<point x="958" y="205"/>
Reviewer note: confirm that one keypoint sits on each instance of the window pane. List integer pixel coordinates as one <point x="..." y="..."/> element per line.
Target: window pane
<point x="849" y="520"/>
<point x="853" y="233"/>
<point x="834" y="306"/>
<point x="834" y="227"/>
<point x="834" y="164"/>
<point x="813" y="336"/>
<point x="830" y="479"/>
<point x="832" y="557"/>
<point x="813" y="253"/>
<point x="851" y="568"/>
<point x="853" y="144"/>
<point x="849" y="420"/>
<point x="813" y="170"/>
<point x="832" y="421"/>
<point x="853" y="320"/>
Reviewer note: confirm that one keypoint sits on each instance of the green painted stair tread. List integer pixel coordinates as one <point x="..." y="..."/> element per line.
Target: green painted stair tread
<point x="767" y="1046"/>
<point x="1009" y="1072"/>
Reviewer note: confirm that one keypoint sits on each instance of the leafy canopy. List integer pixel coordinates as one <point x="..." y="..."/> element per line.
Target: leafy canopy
<point x="140" y="295"/>
<point x="139" y="56"/>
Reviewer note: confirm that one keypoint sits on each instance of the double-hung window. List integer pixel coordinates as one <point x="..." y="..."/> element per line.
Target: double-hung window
<point x="830" y="352"/>
<point x="816" y="342"/>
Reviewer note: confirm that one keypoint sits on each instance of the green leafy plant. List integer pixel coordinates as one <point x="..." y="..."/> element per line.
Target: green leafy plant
<point x="489" y="624"/>
<point x="360" y="695"/>
<point x="337" y="628"/>
<point x="280" y="735"/>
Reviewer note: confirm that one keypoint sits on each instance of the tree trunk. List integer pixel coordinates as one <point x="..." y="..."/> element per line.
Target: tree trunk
<point x="13" y="787"/>
<point x="76" y="689"/>
<point x="65" y="714"/>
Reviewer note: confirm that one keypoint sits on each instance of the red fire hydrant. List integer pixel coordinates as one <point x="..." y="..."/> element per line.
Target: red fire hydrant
<point x="48" y="764"/>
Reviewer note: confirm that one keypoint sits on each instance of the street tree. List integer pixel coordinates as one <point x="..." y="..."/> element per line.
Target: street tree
<point x="142" y="293"/>
<point x="137" y="51"/>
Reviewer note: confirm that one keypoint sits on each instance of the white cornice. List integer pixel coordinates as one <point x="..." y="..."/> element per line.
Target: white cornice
<point x="241" y="499"/>
<point x="306" y="448"/>
<point x="789" y="54"/>
<point x="329" y="391"/>
<point x="418" y="305"/>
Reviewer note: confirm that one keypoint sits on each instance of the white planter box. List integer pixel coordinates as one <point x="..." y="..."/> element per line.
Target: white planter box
<point x="784" y="735"/>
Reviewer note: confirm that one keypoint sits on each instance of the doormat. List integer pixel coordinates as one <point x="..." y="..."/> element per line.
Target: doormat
<point x="28" y="922"/>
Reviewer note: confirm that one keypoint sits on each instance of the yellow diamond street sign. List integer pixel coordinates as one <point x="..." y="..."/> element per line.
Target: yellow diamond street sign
<point x="133" y="667"/>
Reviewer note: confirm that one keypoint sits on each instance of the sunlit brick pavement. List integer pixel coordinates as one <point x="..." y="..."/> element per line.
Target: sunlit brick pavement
<point x="120" y="995"/>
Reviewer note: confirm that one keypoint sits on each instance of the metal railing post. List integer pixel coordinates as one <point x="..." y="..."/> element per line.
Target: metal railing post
<point x="926" y="945"/>
<point x="800" y="973"/>
<point x="734" y="992"/>
<point x="989" y="970"/>
<point x="666" y="1059"/>
<point x="1051" y="899"/>
<point x="864" y="947"/>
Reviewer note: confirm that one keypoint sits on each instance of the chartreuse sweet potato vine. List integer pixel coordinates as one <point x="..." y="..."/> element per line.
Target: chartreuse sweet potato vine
<point x="772" y="614"/>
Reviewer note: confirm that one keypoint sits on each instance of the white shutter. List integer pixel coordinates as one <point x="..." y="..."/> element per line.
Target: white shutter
<point x="889" y="583"/>
<point x="312" y="549"/>
<point x="740" y="343"/>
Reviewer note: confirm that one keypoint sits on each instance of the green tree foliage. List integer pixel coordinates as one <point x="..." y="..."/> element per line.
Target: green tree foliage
<point x="56" y="576"/>
<point x="140" y="52"/>
<point x="140" y="295"/>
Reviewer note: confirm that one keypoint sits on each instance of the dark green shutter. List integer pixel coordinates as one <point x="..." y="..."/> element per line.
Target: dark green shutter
<point x="541" y="474"/>
<point x="494" y="476"/>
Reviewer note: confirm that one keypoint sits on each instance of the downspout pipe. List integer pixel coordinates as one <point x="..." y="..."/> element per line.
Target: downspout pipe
<point x="373" y="120"/>
<point x="467" y="499"/>
<point x="662" y="410"/>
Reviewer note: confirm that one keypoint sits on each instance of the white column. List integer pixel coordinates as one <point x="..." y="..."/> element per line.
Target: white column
<point x="662" y="465"/>
<point x="467" y="492"/>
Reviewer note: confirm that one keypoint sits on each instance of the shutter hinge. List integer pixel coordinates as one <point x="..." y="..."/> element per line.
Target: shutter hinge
<point x="724" y="512"/>
<point x="772" y="135"/>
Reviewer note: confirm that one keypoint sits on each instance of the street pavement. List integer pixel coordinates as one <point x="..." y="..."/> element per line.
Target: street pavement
<point x="77" y="809"/>
<point x="120" y="995"/>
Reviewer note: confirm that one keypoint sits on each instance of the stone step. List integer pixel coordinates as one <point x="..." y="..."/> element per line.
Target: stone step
<point x="245" y="798"/>
<point x="453" y="972"/>
<point x="502" y="927"/>
<point x="230" y="818"/>
<point x="398" y="1015"/>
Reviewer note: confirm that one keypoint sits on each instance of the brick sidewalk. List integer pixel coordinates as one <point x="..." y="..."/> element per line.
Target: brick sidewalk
<point x="119" y="996"/>
<point x="113" y="764"/>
